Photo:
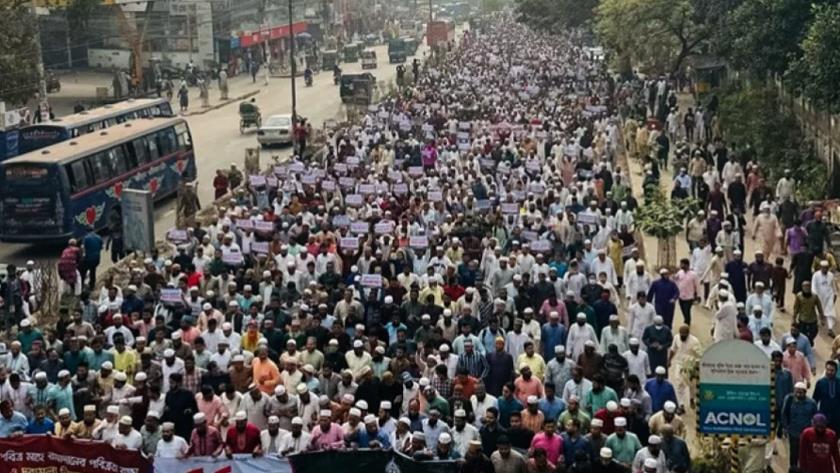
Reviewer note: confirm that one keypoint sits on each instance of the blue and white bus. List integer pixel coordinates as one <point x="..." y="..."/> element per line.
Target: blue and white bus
<point x="58" y="192"/>
<point x="39" y="135"/>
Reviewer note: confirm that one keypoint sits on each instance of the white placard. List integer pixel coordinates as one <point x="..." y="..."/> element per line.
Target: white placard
<point x="263" y="226"/>
<point x="234" y="259"/>
<point x="280" y="170"/>
<point x="260" y="247"/>
<point x="257" y="180"/>
<point x="371" y="280"/>
<point x="400" y="188"/>
<point x="529" y="235"/>
<point x="435" y="196"/>
<point x="355" y="200"/>
<point x="418" y="242"/>
<point x="349" y="242"/>
<point x="383" y="228"/>
<point x="359" y="227"/>
<point x="483" y="204"/>
<point x="508" y="208"/>
<point x="540" y="246"/>
<point x="175" y="235"/>
<point x="367" y="189"/>
<point x="297" y="167"/>
<point x="172" y="296"/>
<point x="245" y="224"/>
<point x="345" y="181"/>
<point x="272" y="181"/>
<point x="308" y="179"/>
<point x="341" y="220"/>
<point x="415" y="171"/>
<point x="328" y="185"/>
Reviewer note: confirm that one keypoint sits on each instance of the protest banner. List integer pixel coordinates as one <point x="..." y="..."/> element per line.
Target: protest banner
<point x="383" y="228"/>
<point x="45" y="453"/>
<point x="415" y="171"/>
<point x="510" y="208"/>
<point x="349" y="242"/>
<point x="367" y="189"/>
<point x="328" y="185"/>
<point x="418" y="241"/>
<point x="354" y="200"/>
<point x="177" y="236"/>
<point x="309" y="179"/>
<point x="346" y="181"/>
<point x="359" y="227"/>
<point x="233" y="259"/>
<point x="257" y="180"/>
<point x="435" y="196"/>
<point x="400" y="189"/>
<point x="341" y="220"/>
<point x="540" y="246"/>
<point x="244" y="224"/>
<point x="263" y="226"/>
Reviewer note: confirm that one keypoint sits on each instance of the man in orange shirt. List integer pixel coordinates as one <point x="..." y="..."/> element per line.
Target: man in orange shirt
<point x="266" y="374"/>
<point x="532" y="417"/>
<point x="527" y="385"/>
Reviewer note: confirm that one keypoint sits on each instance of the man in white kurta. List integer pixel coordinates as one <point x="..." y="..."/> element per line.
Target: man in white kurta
<point x="725" y="318"/>
<point x="636" y="281"/>
<point x="822" y="283"/>
<point x="766" y="230"/>
<point x="685" y="353"/>
<point x="579" y="333"/>
<point x="638" y="362"/>
<point x="640" y="316"/>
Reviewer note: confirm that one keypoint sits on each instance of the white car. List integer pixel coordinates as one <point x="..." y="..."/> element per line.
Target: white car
<point x="277" y="129"/>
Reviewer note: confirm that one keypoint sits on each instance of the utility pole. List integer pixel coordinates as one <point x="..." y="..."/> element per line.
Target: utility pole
<point x="190" y="13"/>
<point x="43" y="106"/>
<point x="430" y="12"/>
<point x="294" y="66"/>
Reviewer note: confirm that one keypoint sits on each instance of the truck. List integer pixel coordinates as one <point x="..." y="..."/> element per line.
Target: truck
<point x="397" y="50"/>
<point x="440" y="32"/>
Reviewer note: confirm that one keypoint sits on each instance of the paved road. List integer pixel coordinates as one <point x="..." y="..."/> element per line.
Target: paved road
<point x="219" y="143"/>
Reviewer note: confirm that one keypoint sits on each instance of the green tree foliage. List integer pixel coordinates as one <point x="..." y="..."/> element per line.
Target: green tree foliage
<point x="661" y="217"/>
<point x="550" y="15"/>
<point x="656" y="35"/>
<point x="817" y="72"/>
<point x="763" y="36"/>
<point x="752" y="116"/>
<point x="18" y="61"/>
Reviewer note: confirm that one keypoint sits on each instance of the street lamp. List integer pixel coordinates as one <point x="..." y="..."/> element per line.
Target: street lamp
<point x="294" y="72"/>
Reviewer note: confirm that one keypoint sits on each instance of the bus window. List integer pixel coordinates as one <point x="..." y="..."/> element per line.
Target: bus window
<point x="166" y="142"/>
<point x="111" y="122"/>
<point x="127" y="156"/>
<point x="152" y="147"/>
<point x="101" y="167"/>
<point x="140" y="153"/>
<point x="118" y="164"/>
<point x="184" y="138"/>
<point x="77" y="174"/>
<point x="165" y="109"/>
<point x="75" y="132"/>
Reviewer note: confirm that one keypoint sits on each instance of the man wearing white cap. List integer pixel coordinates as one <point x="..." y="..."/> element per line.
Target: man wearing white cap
<point x="327" y="435"/>
<point x="242" y="437"/>
<point x="127" y="437"/>
<point x="579" y="333"/>
<point x="108" y="428"/>
<point x="559" y="368"/>
<point x="296" y="441"/>
<point x="171" y="445"/>
<point x="623" y="444"/>
<point x="651" y="459"/>
<point x="725" y="327"/>
<point x="822" y="283"/>
<point x="667" y="416"/>
<point x="271" y="436"/>
<point x="358" y="358"/>
<point x="606" y="464"/>
<point x="171" y="364"/>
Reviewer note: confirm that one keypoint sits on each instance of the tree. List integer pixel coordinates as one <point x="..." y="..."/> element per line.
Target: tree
<point x="18" y="61"/>
<point x="549" y="15"/>
<point x="763" y="36"/>
<point x="655" y="35"/>
<point x="817" y="72"/>
<point x="664" y="218"/>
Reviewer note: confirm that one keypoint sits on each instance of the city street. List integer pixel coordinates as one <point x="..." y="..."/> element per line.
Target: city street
<point x="218" y="142"/>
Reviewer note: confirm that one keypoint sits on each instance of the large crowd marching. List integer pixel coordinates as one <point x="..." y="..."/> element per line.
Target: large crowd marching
<point x="460" y="279"/>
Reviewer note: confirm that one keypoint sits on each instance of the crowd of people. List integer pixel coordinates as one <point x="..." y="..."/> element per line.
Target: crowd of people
<point x="458" y="280"/>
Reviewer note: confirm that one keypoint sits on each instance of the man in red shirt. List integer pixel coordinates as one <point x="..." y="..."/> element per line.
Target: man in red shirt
<point x="243" y="437"/>
<point x="818" y="451"/>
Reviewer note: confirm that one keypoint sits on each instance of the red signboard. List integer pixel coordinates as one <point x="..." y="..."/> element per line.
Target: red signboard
<point x="48" y="454"/>
<point x="265" y="33"/>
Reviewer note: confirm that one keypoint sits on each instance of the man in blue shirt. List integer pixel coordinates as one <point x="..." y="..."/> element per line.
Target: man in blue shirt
<point x="553" y="334"/>
<point x="92" y="245"/>
<point x="551" y="406"/>
<point x="12" y="423"/>
<point x="41" y="424"/>
<point x="371" y="436"/>
<point x="660" y="390"/>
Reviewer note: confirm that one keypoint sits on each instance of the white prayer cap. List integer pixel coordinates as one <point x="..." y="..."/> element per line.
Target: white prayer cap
<point x="614" y="318"/>
<point x="597" y="423"/>
<point x="25" y="323"/>
<point x="370" y="419"/>
<point x="273" y="420"/>
<point x="325" y="413"/>
<point x="606" y="452"/>
<point x="241" y="415"/>
<point x="533" y="400"/>
<point x="63" y="412"/>
<point x="444" y="348"/>
<point x="125" y="420"/>
<point x="634" y="341"/>
<point x="651" y="462"/>
<point x="362" y="404"/>
<point x="297" y="421"/>
<point x="112" y="410"/>
<point x="168" y="426"/>
<point x="625" y="402"/>
<point x="559" y="349"/>
<point x="460" y="413"/>
<point x="280" y="390"/>
<point x="800" y="385"/>
<point x="354" y="411"/>
<point x="63" y="373"/>
<point x="207" y="306"/>
<point x="581" y="316"/>
<point x="406" y="420"/>
<point x="199" y="418"/>
<point x="120" y="376"/>
<point x="660" y="370"/>
<point x="723" y="293"/>
<point x="385" y="405"/>
<point x="589" y="343"/>
<point x="444" y="438"/>
<point x="620" y="422"/>
<point x="670" y="407"/>
<point x="168" y="353"/>
<point x="358" y="344"/>
<point x="612" y="406"/>
<point x="140" y="376"/>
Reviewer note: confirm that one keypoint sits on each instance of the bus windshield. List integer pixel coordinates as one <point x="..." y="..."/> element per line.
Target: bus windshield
<point x="26" y="174"/>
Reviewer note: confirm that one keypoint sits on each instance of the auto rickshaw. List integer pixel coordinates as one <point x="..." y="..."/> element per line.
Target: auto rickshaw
<point x="371" y="40"/>
<point x="357" y="89"/>
<point x="351" y="52"/>
<point x="368" y="59"/>
<point x="410" y="46"/>
<point x="329" y="59"/>
<point x="249" y="115"/>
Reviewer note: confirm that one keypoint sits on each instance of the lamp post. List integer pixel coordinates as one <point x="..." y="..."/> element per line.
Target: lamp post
<point x="294" y="66"/>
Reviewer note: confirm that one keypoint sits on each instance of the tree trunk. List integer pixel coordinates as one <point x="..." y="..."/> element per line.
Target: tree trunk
<point x="666" y="254"/>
